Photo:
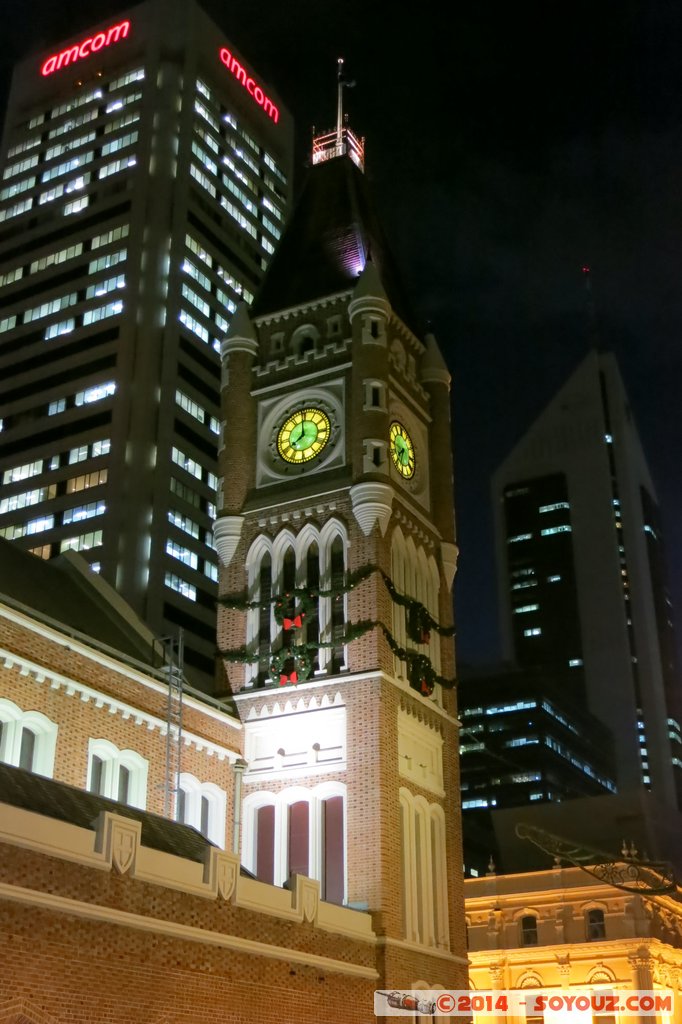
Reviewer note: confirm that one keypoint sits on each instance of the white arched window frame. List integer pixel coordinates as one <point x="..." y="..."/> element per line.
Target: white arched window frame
<point x="14" y="723"/>
<point x="415" y="574"/>
<point x="425" y="890"/>
<point x="197" y="798"/>
<point x="277" y="549"/>
<point x="112" y="761"/>
<point x="282" y="801"/>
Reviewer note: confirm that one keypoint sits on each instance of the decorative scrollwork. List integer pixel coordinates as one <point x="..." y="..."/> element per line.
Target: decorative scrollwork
<point x="644" y="878"/>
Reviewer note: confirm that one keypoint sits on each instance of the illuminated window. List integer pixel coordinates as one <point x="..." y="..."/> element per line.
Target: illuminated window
<point x="10" y="276"/>
<point x="96" y="393"/>
<point x="554" y="507"/>
<point x="103" y="287"/>
<point x="203" y="180"/>
<point x="59" y="148"/>
<point x="117" y="165"/>
<point x="33" y="526"/>
<point x="182" y="554"/>
<point x="196" y="300"/>
<point x="203" y="112"/>
<point x="66" y="166"/>
<point x="200" y="278"/>
<point x="130" y="76"/>
<point x="193" y="325"/>
<point x="236" y="213"/>
<point x="555" y="529"/>
<point x="18" y="208"/>
<point x="53" y="306"/>
<point x="7" y="323"/>
<point x="535" y="631"/>
<point x="211" y="570"/>
<point x="81" y="512"/>
<point x="76" y="205"/>
<point x="92" y="316"/>
<point x="203" y="158"/>
<point x="20" y="167"/>
<point x="519" y="537"/>
<point x="183" y="523"/>
<point x="114" y="235"/>
<point x="120" y="143"/>
<point x="82" y="483"/>
<point x="10" y="476"/>
<point x="525" y="608"/>
<point x="105" y="262"/>
<point x="57" y="406"/>
<point x="84" y="542"/>
<point x="53" y="258"/>
<point x="180" y="586"/>
<point x="27" y="498"/>
<point x="191" y="407"/>
<point x="17" y="187"/>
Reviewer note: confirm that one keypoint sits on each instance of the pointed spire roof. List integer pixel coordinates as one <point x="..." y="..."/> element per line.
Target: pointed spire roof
<point x="332" y="232"/>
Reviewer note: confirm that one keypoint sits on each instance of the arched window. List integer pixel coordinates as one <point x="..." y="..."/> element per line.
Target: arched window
<point x="595" y="924"/>
<point x="117" y="774"/>
<point x="425" y="892"/>
<point x="264" y="595"/>
<point x="298" y="831"/>
<point x="27" y="739"/>
<point x="314" y="559"/>
<point x="203" y="806"/>
<point x="529" y="930"/>
<point x="338" y="609"/>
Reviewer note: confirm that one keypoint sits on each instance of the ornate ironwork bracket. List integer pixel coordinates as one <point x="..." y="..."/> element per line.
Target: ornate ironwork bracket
<point x="641" y="877"/>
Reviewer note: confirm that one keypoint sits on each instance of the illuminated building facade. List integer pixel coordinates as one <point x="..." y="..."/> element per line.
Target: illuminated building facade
<point x="524" y="741"/>
<point x="581" y="570"/>
<point x="145" y="180"/>
<point x="564" y="932"/>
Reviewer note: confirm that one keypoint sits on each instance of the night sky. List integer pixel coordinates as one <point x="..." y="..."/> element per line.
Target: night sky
<point x="507" y="145"/>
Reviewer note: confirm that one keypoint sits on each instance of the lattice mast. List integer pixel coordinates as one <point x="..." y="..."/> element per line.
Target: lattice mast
<point x="175" y="664"/>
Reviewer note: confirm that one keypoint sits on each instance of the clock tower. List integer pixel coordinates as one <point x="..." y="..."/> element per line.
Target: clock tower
<point x="336" y="539"/>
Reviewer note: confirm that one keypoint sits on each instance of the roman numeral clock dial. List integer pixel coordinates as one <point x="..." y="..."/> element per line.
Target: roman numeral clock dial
<point x="303" y="436"/>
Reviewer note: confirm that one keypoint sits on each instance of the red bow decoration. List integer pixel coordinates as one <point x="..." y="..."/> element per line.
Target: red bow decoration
<point x="426" y="688"/>
<point x="294" y="623"/>
<point x="425" y="636"/>
<point x="291" y="678"/>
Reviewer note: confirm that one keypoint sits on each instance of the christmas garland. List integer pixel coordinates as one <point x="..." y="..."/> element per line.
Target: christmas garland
<point x="420" y="622"/>
<point x="293" y="662"/>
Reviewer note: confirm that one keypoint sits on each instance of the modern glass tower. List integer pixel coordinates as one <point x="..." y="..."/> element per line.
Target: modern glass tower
<point x="581" y="571"/>
<point x="145" y="179"/>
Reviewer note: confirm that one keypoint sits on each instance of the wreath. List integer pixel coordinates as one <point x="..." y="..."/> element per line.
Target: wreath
<point x="291" y="608"/>
<point x="291" y="664"/>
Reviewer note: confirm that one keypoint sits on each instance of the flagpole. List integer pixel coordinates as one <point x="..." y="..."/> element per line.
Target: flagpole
<point x="339" y="103"/>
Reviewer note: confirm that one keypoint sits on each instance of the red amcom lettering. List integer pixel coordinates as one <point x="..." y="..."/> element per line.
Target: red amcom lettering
<point x="245" y="79"/>
<point x="91" y="45"/>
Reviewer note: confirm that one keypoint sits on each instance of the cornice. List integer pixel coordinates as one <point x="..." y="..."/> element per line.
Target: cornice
<point x="72" y="688"/>
<point x="106" y="661"/>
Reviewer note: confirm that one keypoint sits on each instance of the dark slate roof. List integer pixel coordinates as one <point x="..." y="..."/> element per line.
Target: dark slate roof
<point x="331" y="233"/>
<point x="65" y="590"/>
<point x="52" y="799"/>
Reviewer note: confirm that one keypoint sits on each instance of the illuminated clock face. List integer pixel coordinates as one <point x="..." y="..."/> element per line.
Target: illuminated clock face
<point x="402" y="450"/>
<point x="303" y="435"/>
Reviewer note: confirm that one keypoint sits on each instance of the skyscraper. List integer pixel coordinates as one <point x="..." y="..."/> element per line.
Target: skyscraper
<point x="581" y="570"/>
<point x="145" y="181"/>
